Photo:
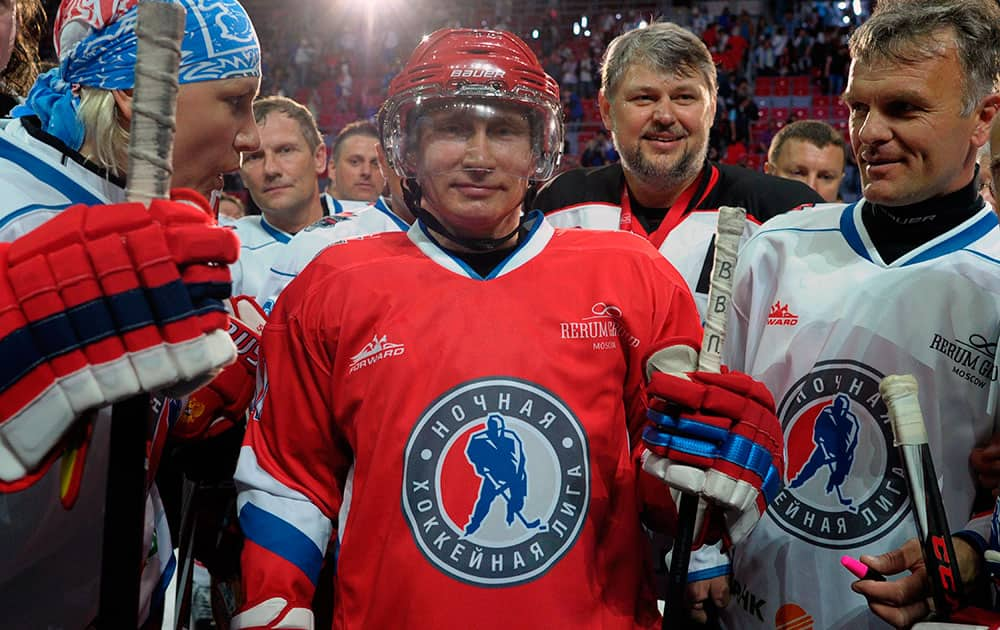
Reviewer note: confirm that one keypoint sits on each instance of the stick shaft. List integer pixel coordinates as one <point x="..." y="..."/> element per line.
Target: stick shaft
<point x="900" y="395"/>
<point x="160" y="29"/>
<point x="727" y="241"/>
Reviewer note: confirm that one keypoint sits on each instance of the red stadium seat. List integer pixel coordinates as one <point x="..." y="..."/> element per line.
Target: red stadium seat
<point x="782" y="86"/>
<point x="755" y="161"/>
<point x="822" y="100"/>
<point x="765" y="113"/>
<point x="780" y="114"/>
<point x="821" y="113"/>
<point x="841" y="111"/>
<point x="800" y="113"/>
<point x="800" y="85"/>
<point x="764" y="86"/>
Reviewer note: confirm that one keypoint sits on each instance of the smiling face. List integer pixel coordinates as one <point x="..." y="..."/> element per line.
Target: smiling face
<point x="473" y="164"/>
<point x="908" y="133"/>
<point x="215" y="125"/>
<point x="660" y="124"/>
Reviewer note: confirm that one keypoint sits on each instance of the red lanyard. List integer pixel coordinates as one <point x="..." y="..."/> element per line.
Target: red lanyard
<point x="681" y="206"/>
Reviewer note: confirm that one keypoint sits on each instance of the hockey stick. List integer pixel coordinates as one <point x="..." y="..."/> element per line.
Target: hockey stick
<point x="159" y="29"/>
<point x="504" y="488"/>
<point x="727" y="242"/>
<point x="910" y="435"/>
<point x="848" y="503"/>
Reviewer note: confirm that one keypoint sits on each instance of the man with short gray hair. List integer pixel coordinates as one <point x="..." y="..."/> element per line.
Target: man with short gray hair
<point x="658" y="100"/>
<point x="895" y="283"/>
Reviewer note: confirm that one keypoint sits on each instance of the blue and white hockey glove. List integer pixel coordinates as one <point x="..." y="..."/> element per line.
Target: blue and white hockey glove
<point x="716" y="435"/>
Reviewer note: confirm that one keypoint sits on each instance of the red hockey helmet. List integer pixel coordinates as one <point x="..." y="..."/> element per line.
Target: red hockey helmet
<point x="479" y="66"/>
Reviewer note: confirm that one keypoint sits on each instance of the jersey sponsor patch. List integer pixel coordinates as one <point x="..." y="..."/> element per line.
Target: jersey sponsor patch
<point x="972" y="359"/>
<point x="496" y="481"/>
<point x="329" y="221"/>
<point x="844" y="485"/>
<point x="604" y="326"/>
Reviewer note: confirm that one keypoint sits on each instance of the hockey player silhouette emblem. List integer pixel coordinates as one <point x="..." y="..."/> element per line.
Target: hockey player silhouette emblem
<point x="835" y="436"/>
<point x="497" y="455"/>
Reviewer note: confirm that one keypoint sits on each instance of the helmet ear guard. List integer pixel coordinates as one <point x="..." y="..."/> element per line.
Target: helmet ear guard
<point x="466" y="65"/>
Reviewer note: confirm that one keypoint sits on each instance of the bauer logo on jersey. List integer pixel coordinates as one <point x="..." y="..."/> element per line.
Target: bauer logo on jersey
<point x="972" y="359"/>
<point x="374" y="351"/>
<point x="844" y="486"/>
<point x="496" y="482"/>
<point x="603" y="326"/>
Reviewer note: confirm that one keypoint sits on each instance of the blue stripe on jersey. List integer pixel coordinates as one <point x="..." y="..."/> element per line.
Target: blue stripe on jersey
<point x="282" y="539"/>
<point x="384" y="209"/>
<point x="537" y="217"/>
<point x="160" y="594"/>
<point x="283" y="273"/>
<point x="47" y="174"/>
<point x="28" y="210"/>
<point x="961" y="240"/>
<point x="851" y="234"/>
<point x="275" y="233"/>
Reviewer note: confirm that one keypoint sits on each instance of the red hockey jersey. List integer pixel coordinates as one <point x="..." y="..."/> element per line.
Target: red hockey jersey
<point x="474" y="440"/>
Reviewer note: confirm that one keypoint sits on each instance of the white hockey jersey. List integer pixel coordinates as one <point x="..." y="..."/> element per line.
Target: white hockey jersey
<point x="336" y="206"/>
<point x="308" y="243"/>
<point x="51" y="557"/>
<point x="685" y="246"/>
<point x="820" y="319"/>
<point x="260" y="243"/>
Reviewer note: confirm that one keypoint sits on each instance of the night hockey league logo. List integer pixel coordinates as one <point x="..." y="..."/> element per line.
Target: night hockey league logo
<point x="496" y="482"/>
<point x="844" y="485"/>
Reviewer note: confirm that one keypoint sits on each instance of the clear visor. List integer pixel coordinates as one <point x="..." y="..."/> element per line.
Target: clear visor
<point x="441" y="135"/>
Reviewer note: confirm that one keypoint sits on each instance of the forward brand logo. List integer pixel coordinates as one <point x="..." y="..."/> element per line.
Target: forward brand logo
<point x="374" y="351"/>
<point x="781" y="316"/>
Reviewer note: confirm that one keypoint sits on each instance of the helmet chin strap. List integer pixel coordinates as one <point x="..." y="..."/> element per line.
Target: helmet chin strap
<point x="412" y="194"/>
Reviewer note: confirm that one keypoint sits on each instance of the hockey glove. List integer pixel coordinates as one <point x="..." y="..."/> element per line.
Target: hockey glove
<point x="222" y="404"/>
<point x="98" y="304"/>
<point x="716" y="435"/>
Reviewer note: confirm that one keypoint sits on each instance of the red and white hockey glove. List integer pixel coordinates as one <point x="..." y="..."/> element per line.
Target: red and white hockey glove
<point x="98" y="304"/>
<point x="273" y="613"/>
<point x="716" y="435"/>
<point x="222" y="404"/>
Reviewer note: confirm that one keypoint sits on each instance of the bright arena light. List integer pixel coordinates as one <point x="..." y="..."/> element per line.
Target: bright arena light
<point x="583" y="21"/>
<point x="846" y="19"/>
<point x="586" y="33"/>
<point x="643" y="24"/>
<point x="576" y="28"/>
<point x="534" y="34"/>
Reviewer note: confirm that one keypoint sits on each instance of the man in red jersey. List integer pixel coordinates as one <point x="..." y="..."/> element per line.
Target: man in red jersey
<point x="466" y="402"/>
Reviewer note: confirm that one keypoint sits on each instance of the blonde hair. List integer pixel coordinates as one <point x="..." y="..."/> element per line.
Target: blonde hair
<point x="104" y="129"/>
